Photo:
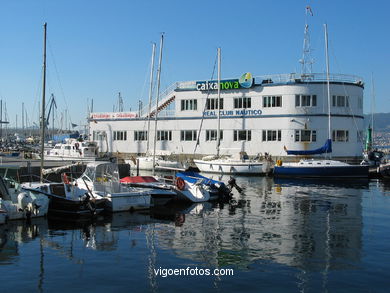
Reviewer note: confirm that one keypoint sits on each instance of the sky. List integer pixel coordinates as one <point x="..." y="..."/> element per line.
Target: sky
<point x="98" y="48"/>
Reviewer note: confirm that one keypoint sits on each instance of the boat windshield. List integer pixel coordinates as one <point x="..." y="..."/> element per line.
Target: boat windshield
<point x="107" y="173"/>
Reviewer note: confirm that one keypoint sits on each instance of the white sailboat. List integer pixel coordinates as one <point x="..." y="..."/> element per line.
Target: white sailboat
<point x="238" y="164"/>
<point x="154" y="161"/>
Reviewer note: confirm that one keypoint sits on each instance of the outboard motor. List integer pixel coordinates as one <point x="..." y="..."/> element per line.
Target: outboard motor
<point x="232" y="183"/>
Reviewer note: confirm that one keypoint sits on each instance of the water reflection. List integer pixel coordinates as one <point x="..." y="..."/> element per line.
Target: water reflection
<point x="305" y="225"/>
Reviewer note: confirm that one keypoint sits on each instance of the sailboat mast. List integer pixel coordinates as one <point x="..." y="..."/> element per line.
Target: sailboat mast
<point x="43" y="101"/>
<point x="327" y="77"/>
<point x="150" y="93"/>
<point x="157" y="97"/>
<point x="219" y="102"/>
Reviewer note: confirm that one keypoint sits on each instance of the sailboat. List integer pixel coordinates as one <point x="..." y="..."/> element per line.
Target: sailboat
<point x="314" y="168"/>
<point x="64" y="198"/>
<point x="158" y="159"/>
<point x="239" y="164"/>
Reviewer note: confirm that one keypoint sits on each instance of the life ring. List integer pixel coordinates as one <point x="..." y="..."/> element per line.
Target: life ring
<point x="65" y="178"/>
<point x="180" y="184"/>
<point x="279" y="163"/>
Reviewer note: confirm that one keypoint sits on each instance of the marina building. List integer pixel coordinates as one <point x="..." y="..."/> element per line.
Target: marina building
<point x="258" y="115"/>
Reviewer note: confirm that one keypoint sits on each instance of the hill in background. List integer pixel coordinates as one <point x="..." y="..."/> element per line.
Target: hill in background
<point x="381" y="121"/>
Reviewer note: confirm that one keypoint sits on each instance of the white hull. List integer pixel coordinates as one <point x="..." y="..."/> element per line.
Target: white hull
<point x="146" y="163"/>
<point x="20" y="208"/>
<point x="69" y="158"/>
<point x="193" y="193"/>
<point x="128" y="202"/>
<point x="233" y="167"/>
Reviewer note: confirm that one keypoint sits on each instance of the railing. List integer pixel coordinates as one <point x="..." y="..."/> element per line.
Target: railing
<point x="263" y="79"/>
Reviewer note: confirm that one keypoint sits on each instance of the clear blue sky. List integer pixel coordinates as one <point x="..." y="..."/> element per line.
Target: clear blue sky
<point x="101" y="47"/>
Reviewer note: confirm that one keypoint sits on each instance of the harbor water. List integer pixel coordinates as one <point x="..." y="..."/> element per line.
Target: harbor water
<point x="277" y="236"/>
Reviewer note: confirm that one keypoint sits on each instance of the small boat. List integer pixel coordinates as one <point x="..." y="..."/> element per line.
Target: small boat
<point x="17" y="203"/>
<point x="146" y="163"/>
<point x="193" y="187"/>
<point x="102" y="180"/>
<point x="160" y="192"/>
<point x="67" y="199"/>
<point x="241" y="165"/>
<point x="73" y="150"/>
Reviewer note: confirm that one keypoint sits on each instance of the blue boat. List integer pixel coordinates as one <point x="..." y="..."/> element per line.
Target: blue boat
<point x="310" y="168"/>
<point x="191" y="186"/>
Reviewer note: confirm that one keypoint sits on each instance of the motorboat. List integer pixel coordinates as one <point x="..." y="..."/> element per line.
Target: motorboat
<point x="17" y="203"/>
<point x="193" y="187"/>
<point x="161" y="192"/>
<point x="102" y="180"/>
<point x="67" y="199"/>
<point x="73" y="150"/>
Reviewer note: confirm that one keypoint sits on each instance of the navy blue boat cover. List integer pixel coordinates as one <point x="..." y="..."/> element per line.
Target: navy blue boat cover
<point x="326" y="148"/>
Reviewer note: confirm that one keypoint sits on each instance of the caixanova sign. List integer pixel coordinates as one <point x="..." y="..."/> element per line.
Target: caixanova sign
<point x="245" y="81"/>
<point x="117" y="115"/>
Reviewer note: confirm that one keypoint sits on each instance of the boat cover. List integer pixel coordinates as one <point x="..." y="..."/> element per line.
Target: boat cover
<point x="326" y="148"/>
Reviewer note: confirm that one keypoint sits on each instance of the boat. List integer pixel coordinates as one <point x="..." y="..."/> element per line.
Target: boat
<point x="158" y="162"/>
<point x="193" y="187"/>
<point x="65" y="198"/>
<point x="240" y="164"/>
<point x="102" y="180"/>
<point x="161" y="192"/>
<point x="156" y="159"/>
<point x="323" y="168"/>
<point x="73" y="150"/>
<point x="384" y="169"/>
<point x="16" y="203"/>
<point x="237" y="165"/>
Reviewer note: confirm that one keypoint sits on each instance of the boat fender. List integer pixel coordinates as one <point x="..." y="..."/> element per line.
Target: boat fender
<point x="279" y="163"/>
<point x="180" y="184"/>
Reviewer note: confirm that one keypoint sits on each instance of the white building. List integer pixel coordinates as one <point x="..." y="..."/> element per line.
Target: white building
<point x="257" y="115"/>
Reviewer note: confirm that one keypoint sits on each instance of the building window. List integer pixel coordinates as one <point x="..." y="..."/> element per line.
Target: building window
<point x="188" y="135"/>
<point x="305" y="101"/>
<point x="272" y="101"/>
<point x="242" y="135"/>
<point x="189" y="105"/>
<point x="212" y="135"/>
<point x="140" y="135"/>
<point x="340" y="135"/>
<point x="340" y="101"/>
<point x="120" y="135"/>
<point x="272" y="135"/>
<point x="164" y="134"/>
<point x="212" y="104"/>
<point x="98" y="135"/>
<point x="304" y="135"/>
<point x="243" y="102"/>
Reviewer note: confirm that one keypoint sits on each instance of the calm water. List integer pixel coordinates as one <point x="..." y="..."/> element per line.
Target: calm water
<point x="283" y="236"/>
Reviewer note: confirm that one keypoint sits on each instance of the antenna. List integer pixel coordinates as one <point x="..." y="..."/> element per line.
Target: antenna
<point x="306" y="61"/>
